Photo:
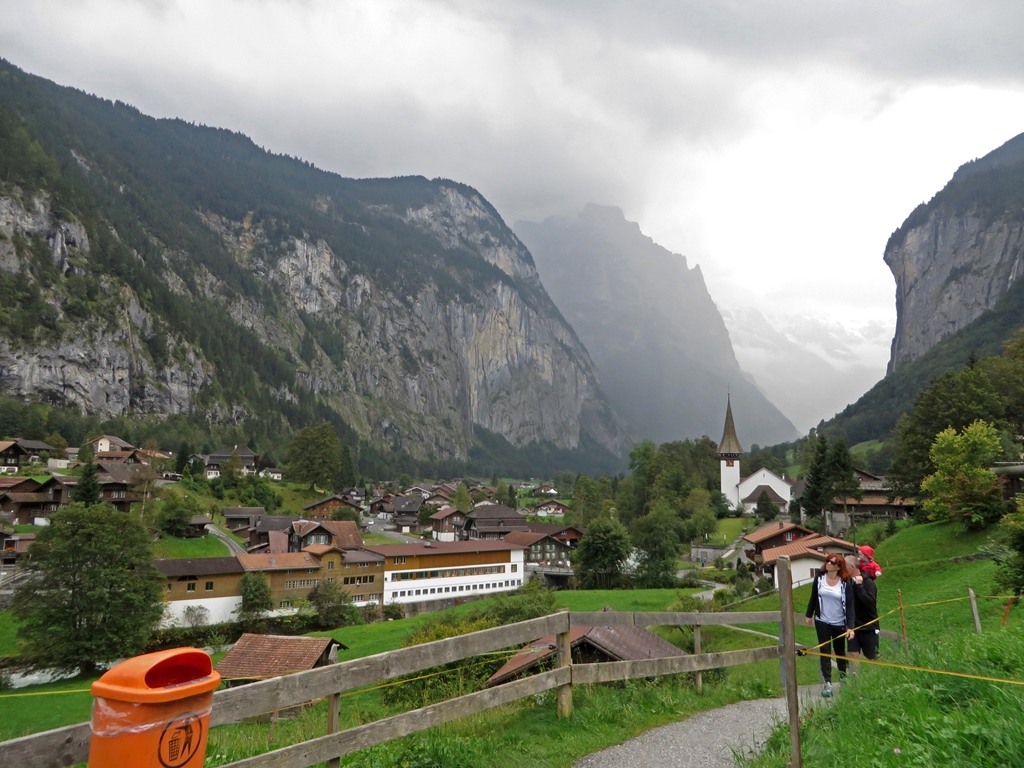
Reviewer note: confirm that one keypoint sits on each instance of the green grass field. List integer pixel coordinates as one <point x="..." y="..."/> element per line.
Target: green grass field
<point x="8" y="631"/>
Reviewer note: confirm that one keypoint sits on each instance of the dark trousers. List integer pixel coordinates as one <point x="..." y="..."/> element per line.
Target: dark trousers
<point x="834" y="639"/>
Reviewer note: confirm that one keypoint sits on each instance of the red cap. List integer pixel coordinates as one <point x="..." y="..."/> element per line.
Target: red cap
<point x="867" y="551"/>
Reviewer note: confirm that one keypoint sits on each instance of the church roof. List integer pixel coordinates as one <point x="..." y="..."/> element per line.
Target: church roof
<point x="730" y="444"/>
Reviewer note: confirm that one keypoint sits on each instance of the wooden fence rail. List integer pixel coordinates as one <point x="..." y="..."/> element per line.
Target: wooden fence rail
<point x="66" y="746"/>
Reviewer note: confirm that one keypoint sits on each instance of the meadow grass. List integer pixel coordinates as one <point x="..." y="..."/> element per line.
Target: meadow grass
<point x="173" y="548"/>
<point x="42" y="707"/>
<point x="8" y="634"/>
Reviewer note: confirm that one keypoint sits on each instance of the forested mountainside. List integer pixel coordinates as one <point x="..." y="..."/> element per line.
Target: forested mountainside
<point x="956" y="261"/>
<point x="153" y="267"/>
<point x="659" y="342"/>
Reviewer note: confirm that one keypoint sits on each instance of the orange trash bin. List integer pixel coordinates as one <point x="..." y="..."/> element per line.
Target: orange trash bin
<point x="153" y="711"/>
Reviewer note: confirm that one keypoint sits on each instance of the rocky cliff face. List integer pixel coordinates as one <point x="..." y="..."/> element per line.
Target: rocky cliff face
<point x="412" y="370"/>
<point x="957" y="256"/>
<point x="659" y="342"/>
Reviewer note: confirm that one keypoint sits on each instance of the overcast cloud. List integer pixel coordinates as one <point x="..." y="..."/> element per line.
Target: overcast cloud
<point x="776" y="143"/>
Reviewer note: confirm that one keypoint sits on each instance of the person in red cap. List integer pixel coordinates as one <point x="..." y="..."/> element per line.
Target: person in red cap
<point x="868" y="566"/>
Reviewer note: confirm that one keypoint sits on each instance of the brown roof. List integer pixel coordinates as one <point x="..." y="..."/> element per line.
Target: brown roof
<point x="262" y="656"/>
<point x="278" y="561"/>
<point x="730" y="444"/>
<point x="773" y="495"/>
<point x="441" y="514"/>
<point x="199" y="566"/>
<point x="773" y="529"/>
<point x="10" y="482"/>
<point x="621" y="643"/>
<point x="808" y="546"/>
<point x="524" y="538"/>
<point x="495" y="512"/>
<point x="552" y="528"/>
<point x="442" y="547"/>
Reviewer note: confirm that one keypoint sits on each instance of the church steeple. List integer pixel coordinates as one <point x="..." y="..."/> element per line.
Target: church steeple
<point x="730" y="444"/>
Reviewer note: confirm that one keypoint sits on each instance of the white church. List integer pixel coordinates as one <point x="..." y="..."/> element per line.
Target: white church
<point x="742" y="493"/>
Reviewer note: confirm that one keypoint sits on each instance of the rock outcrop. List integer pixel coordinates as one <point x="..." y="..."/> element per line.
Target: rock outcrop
<point x="957" y="256"/>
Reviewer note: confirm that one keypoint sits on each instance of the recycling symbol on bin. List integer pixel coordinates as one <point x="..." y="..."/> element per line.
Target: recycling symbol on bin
<point x="180" y="740"/>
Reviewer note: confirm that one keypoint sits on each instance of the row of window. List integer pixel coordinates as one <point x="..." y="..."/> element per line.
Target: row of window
<point x="452" y="573"/>
<point x="460" y="588"/>
<point x="301" y="583"/>
<point x="359" y="579"/>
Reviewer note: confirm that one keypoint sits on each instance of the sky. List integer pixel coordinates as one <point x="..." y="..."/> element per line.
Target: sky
<point x="775" y="143"/>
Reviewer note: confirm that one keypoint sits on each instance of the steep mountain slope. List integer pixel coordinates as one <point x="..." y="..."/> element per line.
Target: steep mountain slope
<point x="658" y="341"/>
<point x="156" y="267"/>
<point x="956" y="256"/>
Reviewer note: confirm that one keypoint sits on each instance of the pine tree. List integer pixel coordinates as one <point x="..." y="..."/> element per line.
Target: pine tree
<point x="87" y="489"/>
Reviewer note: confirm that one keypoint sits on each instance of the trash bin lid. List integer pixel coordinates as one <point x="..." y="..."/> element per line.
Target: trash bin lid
<point x="159" y="677"/>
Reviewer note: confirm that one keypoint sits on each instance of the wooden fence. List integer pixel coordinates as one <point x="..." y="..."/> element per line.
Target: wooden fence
<point x="69" y="745"/>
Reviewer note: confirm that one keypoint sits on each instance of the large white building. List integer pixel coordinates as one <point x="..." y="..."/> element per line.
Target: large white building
<point x="742" y="493"/>
<point x="439" y="570"/>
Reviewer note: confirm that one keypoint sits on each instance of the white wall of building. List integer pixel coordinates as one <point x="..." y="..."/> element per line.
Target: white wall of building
<point x="503" y="577"/>
<point x="730" y="481"/>
<point x="765" y="477"/>
<point x="222" y="609"/>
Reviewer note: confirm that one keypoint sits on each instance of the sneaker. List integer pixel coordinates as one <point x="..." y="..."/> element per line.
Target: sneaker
<point x="827" y="692"/>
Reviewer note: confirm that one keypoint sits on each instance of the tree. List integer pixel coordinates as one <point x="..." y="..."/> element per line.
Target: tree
<point x="818" y="493"/>
<point x="333" y="605"/>
<point x="87" y="489"/>
<point x="765" y="508"/>
<point x="954" y="399"/>
<point x="231" y="472"/>
<point x="963" y="488"/>
<point x="86" y="454"/>
<point x="176" y="513"/>
<point x="182" y="459"/>
<point x="315" y="456"/>
<point x="92" y="594"/>
<point x="600" y="556"/>
<point x="842" y="476"/>
<point x="461" y="499"/>
<point x="59" y="445"/>
<point x="656" y="536"/>
<point x="1010" y="562"/>
<point x="256" y="600"/>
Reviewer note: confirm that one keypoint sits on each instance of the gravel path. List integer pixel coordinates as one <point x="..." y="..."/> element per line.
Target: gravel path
<point x="709" y="739"/>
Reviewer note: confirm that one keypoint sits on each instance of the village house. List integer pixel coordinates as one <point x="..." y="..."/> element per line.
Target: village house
<point x="551" y="508"/>
<point x="272" y="473"/>
<point x="13" y="548"/>
<point x="12" y="457"/>
<point x="210" y="583"/>
<point x="446" y="571"/>
<point x="806" y="556"/>
<point x="343" y="534"/>
<point x="214" y="463"/>
<point x="491" y="521"/>
<point x="291" y="575"/>
<point x="106" y="443"/>
<point x="540" y="549"/>
<point x="569" y="535"/>
<point x="324" y="509"/>
<point x="772" y="535"/>
<point x="873" y="505"/>
<point x="35" y="449"/>
<point x="446" y="523"/>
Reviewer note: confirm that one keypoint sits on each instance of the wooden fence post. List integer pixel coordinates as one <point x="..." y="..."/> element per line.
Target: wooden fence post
<point x="563" y="649"/>
<point x="784" y="578"/>
<point x="974" y="610"/>
<point x="903" y="619"/>
<point x="333" y="720"/>
<point x="696" y="652"/>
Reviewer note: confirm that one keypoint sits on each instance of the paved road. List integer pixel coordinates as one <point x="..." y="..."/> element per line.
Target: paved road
<point x="233" y="546"/>
<point x="709" y="739"/>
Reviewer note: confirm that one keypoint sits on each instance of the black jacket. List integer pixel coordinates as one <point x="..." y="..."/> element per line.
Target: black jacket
<point x="865" y="601"/>
<point x="814" y="604"/>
